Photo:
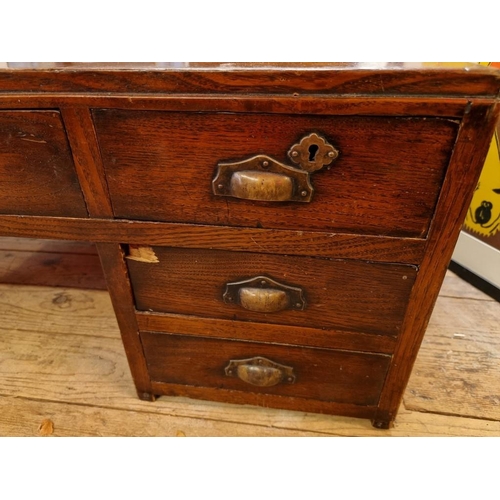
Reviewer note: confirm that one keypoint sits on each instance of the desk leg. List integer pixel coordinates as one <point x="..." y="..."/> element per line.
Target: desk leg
<point x="115" y="271"/>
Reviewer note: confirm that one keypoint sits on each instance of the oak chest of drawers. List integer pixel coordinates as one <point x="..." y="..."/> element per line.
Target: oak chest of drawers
<point x="270" y="234"/>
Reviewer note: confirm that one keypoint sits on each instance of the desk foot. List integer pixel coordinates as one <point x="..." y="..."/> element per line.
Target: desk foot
<point x="146" y="396"/>
<point x="382" y="424"/>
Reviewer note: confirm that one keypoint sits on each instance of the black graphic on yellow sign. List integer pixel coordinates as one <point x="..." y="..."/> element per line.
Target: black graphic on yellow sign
<point x="483" y="216"/>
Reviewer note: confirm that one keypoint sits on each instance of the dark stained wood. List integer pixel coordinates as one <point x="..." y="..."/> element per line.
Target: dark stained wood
<point x="265" y="400"/>
<point x="347" y="295"/>
<point x="468" y="157"/>
<point x="335" y="245"/>
<point x="60" y="263"/>
<point x="378" y="106"/>
<point x="265" y="332"/>
<point x="37" y="174"/>
<point x="386" y="181"/>
<point x="115" y="271"/>
<point x="51" y="269"/>
<point x="223" y="78"/>
<point x="88" y="163"/>
<point x="392" y="199"/>
<point x="323" y="375"/>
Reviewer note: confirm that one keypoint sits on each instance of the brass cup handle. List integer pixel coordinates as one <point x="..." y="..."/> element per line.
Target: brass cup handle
<point x="262" y="178"/>
<point x="263" y="294"/>
<point x="262" y="186"/>
<point x="263" y="299"/>
<point x="260" y="372"/>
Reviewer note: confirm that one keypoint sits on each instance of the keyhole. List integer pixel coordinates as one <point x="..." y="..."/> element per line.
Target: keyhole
<point x="313" y="149"/>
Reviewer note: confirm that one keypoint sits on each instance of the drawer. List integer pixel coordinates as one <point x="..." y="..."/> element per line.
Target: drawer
<point x="386" y="179"/>
<point x="37" y="174"/>
<point x="303" y="291"/>
<point x="320" y="374"/>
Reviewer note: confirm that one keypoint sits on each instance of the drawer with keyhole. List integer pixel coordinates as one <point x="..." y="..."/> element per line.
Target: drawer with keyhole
<point x="349" y="174"/>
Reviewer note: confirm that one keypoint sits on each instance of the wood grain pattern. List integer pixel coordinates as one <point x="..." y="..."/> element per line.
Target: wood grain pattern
<point x="465" y="167"/>
<point x="322" y="375"/>
<point x="45" y="365"/>
<point x="160" y="166"/>
<point x="457" y="371"/>
<point x="264" y="400"/>
<point x="37" y="174"/>
<point x="21" y="417"/>
<point x="56" y="311"/>
<point x="339" y="294"/>
<point x="453" y="107"/>
<point x="115" y="271"/>
<point x="265" y="332"/>
<point x="347" y="79"/>
<point x="81" y="136"/>
<point x="335" y="245"/>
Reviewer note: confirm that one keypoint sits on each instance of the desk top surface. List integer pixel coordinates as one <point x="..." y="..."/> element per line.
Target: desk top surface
<point x="247" y="66"/>
<point x="456" y="79"/>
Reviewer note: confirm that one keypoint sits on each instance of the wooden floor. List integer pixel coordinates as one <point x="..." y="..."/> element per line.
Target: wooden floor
<point x="63" y="370"/>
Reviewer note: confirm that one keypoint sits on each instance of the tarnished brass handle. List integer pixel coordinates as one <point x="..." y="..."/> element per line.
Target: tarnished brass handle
<point x="264" y="186"/>
<point x="263" y="299"/>
<point x="260" y="371"/>
<point x="263" y="294"/>
<point x="262" y="178"/>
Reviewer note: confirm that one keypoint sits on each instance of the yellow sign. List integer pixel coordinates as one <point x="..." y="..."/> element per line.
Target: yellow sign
<point x="483" y="216"/>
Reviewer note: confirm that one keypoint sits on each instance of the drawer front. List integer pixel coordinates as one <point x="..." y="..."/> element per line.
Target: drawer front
<point x="37" y="175"/>
<point x="303" y="291"/>
<point x="320" y="374"/>
<point x="386" y="179"/>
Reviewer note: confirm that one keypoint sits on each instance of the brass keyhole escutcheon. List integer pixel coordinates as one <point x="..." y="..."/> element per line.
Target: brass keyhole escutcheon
<point x="312" y="153"/>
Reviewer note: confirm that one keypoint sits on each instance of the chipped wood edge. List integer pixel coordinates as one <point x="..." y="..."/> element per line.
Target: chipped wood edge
<point x="142" y="254"/>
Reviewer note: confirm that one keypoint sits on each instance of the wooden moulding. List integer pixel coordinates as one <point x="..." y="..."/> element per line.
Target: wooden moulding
<point x="334" y="245"/>
<point x="270" y="104"/>
<point x="265" y="400"/>
<point x="265" y="332"/>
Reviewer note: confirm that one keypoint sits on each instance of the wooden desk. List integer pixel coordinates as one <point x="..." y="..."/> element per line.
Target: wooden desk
<point x="271" y="235"/>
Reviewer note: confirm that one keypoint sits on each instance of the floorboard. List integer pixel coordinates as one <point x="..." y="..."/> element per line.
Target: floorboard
<point x="24" y="417"/>
<point x="458" y="367"/>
